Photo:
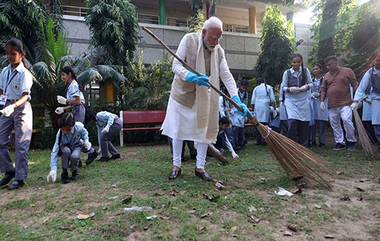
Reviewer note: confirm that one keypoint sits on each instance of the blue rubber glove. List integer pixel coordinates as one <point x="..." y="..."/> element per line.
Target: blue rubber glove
<point x="201" y="80"/>
<point x="242" y="106"/>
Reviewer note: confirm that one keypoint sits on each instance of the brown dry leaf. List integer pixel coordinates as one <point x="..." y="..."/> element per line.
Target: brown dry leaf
<point x="288" y="233"/>
<point x="219" y="185"/>
<point x="359" y="189"/>
<point x="83" y="216"/>
<point x="292" y="228"/>
<point x="127" y="199"/>
<point x="329" y="236"/>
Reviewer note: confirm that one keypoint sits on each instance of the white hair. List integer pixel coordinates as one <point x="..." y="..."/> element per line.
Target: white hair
<point x="213" y="22"/>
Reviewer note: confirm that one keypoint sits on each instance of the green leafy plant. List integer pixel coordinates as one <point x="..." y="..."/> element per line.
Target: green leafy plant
<point x="277" y="44"/>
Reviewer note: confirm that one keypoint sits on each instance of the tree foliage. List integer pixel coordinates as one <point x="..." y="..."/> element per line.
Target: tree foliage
<point x="114" y="28"/>
<point x="277" y="43"/>
<point x="25" y="20"/>
<point x="148" y="88"/>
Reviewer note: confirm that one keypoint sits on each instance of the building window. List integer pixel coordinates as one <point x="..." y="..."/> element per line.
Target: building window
<point x="74" y="10"/>
<point x="236" y="28"/>
<point x="92" y="94"/>
<point x="145" y="18"/>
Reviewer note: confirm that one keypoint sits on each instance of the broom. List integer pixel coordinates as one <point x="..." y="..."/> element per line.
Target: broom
<point x="298" y="161"/>
<point x="369" y="149"/>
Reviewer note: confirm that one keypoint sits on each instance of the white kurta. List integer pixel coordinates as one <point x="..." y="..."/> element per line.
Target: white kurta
<point x="181" y="121"/>
<point x="262" y="98"/>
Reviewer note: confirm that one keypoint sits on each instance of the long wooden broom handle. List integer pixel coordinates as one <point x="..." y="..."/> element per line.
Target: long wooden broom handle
<point x="189" y="68"/>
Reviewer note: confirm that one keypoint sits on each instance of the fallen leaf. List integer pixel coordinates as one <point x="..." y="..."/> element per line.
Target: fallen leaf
<point x="292" y="228"/>
<point x="297" y="191"/>
<point x="151" y="217"/>
<point x="203" y="228"/>
<point x="359" y="189"/>
<point x="262" y="180"/>
<point x="254" y="219"/>
<point x="127" y="199"/>
<point x="360" y="198"/>
<point x="219" y="185"/>
<point x="288" y="233"/>
<point x="113" y="197"/>
<point x="345" y="198"/>
<point x="82" y="216"/>
<point x="317" y="206"/>
<point x="212" y="197"/>
<point x="206" y="215"/>
<point x="233" y="229"/>
<point x="114" y="186"/>
<point x="363" y="180"/>
<point x="173" y="193"/>
<point x="339" y="172"/>
<point x="329" y="236"/>
<point x="328" y="204"/>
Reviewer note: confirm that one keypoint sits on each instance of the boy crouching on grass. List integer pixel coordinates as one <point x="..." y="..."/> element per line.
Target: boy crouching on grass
<point x="71" y="139"/>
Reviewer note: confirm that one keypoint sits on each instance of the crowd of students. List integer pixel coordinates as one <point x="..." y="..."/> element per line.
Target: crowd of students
<point x="308" y="102"/>
<point x="72" y="137"/>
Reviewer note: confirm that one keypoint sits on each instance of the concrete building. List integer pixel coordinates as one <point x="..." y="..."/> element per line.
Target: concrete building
<point x="168" y="20"/>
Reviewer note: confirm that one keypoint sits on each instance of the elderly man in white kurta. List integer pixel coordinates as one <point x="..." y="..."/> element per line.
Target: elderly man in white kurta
<point x="192" y="112"/>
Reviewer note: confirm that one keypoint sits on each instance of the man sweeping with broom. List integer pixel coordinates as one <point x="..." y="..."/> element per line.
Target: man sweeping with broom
<point x="192" y="112"/>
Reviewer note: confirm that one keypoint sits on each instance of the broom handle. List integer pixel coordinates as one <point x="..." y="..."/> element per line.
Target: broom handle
<point x="189" y="68"/>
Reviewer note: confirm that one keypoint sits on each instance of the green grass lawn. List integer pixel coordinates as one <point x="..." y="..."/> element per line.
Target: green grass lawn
<point x="247" y="209"/>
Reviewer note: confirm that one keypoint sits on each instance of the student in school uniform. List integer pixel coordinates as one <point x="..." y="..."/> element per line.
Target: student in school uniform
<point x="319" y="116"/>
<point x="371" y="81"/>
<point x="238" y="123"/>
<point x="263" y="104"/>
<point x="222" y="141"/>
<point x="71" y="140"/>
<point x="109" y="126"/>
<point x="16" y="114"/>
<point x="74" y="96"/>
<point x="296" y="83"/>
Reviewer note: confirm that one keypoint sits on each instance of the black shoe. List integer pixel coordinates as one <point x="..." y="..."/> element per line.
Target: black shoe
<point x="203" y="175"/>
<point x="104" y="159"/>
<point x="7" y="178"/>
<point x="16" y="184"/>
<point x="351" y="145"/>
<point x="74" y="175"/>
<point x="65" y="177"/>
<point x="339" y="146"/>
<point x="91" y="157"/>
<point x="114" y="157"/>
<point x="174" y="174"/>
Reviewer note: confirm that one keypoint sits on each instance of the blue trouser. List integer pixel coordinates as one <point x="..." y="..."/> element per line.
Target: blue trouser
<point x="106" y="138"/>
<point x="259" y="139"/>
<point x="376" y="129"/>
<point x="22" y="122"/>
<point x="238" y="136"/>
<point x="284" y="127"/>
<point x="70" y="157"/>
<point x="370" y="131"/>
<point x="320" y="127"/>
<point x="79" y="112"/>
<point x="298" y="131"/>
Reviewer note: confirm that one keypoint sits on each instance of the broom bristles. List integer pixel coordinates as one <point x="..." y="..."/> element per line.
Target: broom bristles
<point x="297" y="160"/>
<point x="368" y="147"/>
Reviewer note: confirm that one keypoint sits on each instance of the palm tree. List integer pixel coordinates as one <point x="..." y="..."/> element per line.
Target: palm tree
<point x="47" y="73"/>
<point x="114" y="28"/>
